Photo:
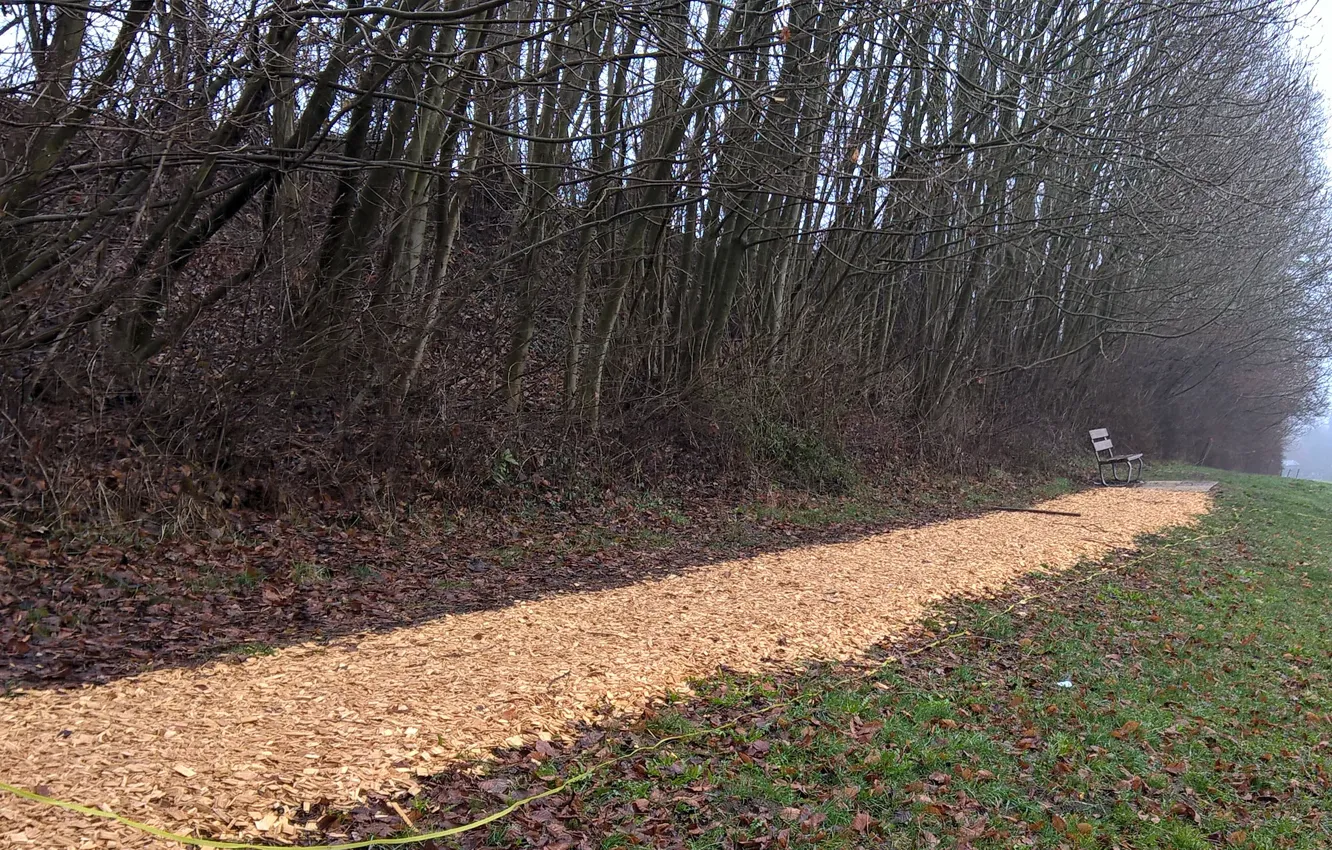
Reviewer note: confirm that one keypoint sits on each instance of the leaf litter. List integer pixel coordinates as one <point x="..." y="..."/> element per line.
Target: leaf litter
<point x="85" y="604"/>
<point x="260" y="748"/>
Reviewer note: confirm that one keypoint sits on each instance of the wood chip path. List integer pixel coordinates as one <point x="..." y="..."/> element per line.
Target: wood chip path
<point x="215" y="748"/>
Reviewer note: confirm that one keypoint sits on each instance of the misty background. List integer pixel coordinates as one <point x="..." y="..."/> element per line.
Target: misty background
<point x="1310" y="453"/>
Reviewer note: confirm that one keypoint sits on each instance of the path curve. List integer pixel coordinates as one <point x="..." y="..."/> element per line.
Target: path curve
<point x="215" y="747"/>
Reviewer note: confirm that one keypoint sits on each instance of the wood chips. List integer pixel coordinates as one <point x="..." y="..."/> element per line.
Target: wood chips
<point x="215" y="748"/>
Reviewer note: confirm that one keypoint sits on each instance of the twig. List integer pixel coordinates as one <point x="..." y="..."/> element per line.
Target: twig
<point x="1035" y="511"/>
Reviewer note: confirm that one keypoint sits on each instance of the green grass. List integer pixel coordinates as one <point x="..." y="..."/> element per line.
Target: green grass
<point x="1199" y="715"/>
<point x="1175" y="471"/>
<point x="308" y="572"/>
<point x="253" y="649"/>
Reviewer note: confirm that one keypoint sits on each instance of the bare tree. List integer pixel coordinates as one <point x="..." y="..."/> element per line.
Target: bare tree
<point x="983" y="217"/>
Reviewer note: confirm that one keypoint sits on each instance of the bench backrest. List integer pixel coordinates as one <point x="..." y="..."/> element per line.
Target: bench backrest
<point x="1100" y="438"/>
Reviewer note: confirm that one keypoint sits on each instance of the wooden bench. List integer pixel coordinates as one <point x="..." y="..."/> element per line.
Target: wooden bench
<point x="1105" y="456"/>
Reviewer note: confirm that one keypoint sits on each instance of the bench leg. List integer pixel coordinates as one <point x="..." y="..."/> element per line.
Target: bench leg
<point x="1129" y="476"/>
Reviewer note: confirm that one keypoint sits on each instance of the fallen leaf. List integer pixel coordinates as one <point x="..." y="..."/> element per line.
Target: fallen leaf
<point x="1184" y="809"/>
<point x="861" y="822"/>
<point x="498" y="787"/>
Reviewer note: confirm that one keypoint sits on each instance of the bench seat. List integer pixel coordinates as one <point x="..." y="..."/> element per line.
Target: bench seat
<point x="1105" y="456"/>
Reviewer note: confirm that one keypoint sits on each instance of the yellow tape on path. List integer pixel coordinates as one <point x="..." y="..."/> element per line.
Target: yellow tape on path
<point x="193" y="841"/>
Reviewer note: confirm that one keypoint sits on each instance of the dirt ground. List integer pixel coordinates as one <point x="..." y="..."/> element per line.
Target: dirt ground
<point x="238" y="749"/>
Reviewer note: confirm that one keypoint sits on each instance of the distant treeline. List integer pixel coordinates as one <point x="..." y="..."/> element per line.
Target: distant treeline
<point x="1310" y="453"/>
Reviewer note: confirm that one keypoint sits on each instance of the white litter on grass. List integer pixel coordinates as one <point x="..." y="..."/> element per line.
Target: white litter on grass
<point x="1067" y="683"/>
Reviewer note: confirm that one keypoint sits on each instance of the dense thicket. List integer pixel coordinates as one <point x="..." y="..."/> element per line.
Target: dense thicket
<point x="332" y="235"/>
